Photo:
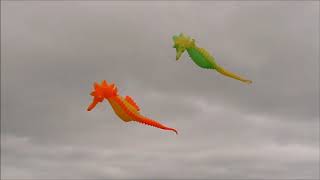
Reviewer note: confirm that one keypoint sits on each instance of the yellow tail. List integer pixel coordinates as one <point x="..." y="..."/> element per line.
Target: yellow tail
<point x="231" y="75"/>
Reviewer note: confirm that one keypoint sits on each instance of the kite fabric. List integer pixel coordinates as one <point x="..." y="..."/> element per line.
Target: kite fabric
<point x="200" y="56"/>
<point x="124" y="107"/>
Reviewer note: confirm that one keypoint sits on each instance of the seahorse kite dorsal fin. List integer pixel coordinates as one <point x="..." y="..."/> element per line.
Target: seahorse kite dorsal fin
<point x="131" y="101"/>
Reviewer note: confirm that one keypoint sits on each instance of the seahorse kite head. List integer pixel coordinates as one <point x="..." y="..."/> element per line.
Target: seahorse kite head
<point x="102" y="91"/>
<point x="181" y="43"/>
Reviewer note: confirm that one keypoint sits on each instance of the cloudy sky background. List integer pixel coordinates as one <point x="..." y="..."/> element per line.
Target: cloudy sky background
<point x="52" y="52"/>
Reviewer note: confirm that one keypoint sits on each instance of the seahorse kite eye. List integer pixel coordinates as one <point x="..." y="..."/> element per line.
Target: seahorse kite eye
<point x="200" y="56"/>
<point x="124" y="107"/>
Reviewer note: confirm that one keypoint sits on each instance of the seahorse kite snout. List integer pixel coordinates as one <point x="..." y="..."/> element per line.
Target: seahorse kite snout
<point x="124" y="107"/>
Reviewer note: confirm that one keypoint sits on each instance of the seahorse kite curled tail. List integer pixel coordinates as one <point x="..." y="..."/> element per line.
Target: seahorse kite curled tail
<point x="200" y="56"/>
<point x="124" y="107"/>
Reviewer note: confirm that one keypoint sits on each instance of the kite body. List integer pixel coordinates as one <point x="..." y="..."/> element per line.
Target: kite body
<point x="200" y="59"/>
<point x="124" y="107"/>
<point x="200" y="56"/>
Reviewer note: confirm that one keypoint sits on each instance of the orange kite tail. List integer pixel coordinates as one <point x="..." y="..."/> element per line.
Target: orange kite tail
<point x="141" y="119"/>
<point x="153" y="123"/>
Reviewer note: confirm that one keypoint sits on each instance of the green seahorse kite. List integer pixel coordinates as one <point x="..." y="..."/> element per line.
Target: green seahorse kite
<point x="200" y="56"/>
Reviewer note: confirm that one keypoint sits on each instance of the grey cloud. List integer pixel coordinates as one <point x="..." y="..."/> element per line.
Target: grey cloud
<point x="52" y="52"/>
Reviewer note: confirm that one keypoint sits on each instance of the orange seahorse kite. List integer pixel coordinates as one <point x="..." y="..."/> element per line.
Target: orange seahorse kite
<point x="124" y="107"/>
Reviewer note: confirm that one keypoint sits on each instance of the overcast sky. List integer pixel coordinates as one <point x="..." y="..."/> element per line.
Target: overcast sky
<point x="52" y="52"/>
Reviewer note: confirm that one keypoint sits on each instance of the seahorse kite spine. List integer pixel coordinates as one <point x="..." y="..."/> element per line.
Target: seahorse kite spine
<point x="124" y="107"/>
<point x="200" y="56"/>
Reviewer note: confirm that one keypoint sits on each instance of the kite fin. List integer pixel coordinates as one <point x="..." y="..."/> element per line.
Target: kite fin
<point x="131" y="101"/>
